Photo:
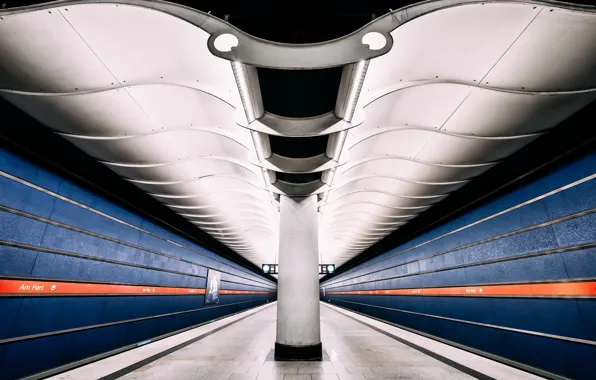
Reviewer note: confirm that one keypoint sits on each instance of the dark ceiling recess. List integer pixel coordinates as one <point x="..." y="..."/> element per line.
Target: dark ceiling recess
<point x="287" y="24"/>
<point x="299" y="93"/>
<point x="294" y="22"/>
<point x="283" y="21"/>
<point x="298" y="178"/>
<point x="298" y="147"/>
<point x="572" y="139"/>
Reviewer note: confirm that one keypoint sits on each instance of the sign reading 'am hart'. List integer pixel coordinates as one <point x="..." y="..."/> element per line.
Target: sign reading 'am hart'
<point x="26" y="287"/>
<point x="41" y="288"/>
<point x="48" y="288"/>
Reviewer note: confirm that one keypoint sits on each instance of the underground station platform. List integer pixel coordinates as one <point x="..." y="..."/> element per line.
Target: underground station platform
<point x="377" y="190"/>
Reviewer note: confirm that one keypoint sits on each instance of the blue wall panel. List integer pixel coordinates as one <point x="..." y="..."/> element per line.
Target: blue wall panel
<point x="587" y="310"/>
<point x="91" y="342"/>
<point x="21" y="230"/>
<point x="581" y="263"/>
<point x="446" y="262"/>
<point x="76" y="216"/>
<point x="29" y="172"/>
<point x="10" y="310"/>
<point x="89" y="199"/>
<point x="576" y="199"/>
<point x="49" y="251"/>
<point x="17" y="262"/>
<point x="572" y="359"/>
<point x="16" y="195"/>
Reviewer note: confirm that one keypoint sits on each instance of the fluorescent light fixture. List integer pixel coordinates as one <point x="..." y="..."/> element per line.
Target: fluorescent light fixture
<point x="354" y="91"/>
<point x="346" y="110"/>
<point x="248" y="87"/>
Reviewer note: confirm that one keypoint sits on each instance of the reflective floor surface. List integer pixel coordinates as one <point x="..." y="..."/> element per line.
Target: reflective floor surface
<point x="243" y="350"/>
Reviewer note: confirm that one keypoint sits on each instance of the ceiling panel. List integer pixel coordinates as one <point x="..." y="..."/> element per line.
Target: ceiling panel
<point x="429" y="98"/>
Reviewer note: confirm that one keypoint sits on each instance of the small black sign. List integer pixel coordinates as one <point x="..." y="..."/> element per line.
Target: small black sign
<point x="270" y="268"/>
<point x="326" y="268"/>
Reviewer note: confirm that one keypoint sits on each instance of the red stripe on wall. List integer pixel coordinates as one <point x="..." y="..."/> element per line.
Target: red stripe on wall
<point x="224" y="291"/>
<point x="570" y="289"/>
<point x="21" y="287"/>
<point x="60" y="288"/>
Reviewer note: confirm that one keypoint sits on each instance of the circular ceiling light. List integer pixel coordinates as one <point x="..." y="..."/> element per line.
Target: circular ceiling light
<point x="374" y="40"/>
<point x="225" y="42"/>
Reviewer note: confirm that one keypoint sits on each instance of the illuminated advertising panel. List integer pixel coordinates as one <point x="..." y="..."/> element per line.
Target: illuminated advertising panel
<point x="212" y="289"/>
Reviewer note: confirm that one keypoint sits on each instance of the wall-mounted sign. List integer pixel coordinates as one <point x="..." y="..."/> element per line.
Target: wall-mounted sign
<point x="212" y="290"/>
<point x="326" y="268"/>
<point x="274" y="268"/>
<point x="270" y="268"/>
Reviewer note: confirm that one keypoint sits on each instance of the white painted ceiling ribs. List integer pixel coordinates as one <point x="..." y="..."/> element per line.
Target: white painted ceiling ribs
<point x="431" y="96"/>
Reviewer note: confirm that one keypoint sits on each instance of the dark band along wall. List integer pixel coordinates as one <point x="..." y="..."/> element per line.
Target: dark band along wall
<point x="514" y="278"/>
<point x="80" y="276"/>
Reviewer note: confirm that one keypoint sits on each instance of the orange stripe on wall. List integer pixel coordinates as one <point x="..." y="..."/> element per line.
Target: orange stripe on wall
<point x="224" y="291"/>
<point x="46" y="287"/>
<point x="15" y="287"/>
<point x="582" y="289"/>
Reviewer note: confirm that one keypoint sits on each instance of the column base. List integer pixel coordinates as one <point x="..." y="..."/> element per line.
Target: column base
<point x="298" y="353"/>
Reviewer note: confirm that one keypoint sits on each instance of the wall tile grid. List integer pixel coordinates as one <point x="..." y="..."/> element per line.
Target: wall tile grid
<point x="549" y="239"/>
<point x="45" y="237"/>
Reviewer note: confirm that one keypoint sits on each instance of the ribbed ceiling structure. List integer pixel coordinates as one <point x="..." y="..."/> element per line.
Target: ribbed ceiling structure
<point x="168" y="97"/>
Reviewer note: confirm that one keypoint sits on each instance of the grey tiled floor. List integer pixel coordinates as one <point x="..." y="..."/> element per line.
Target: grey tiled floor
<point x="239" y="352"/>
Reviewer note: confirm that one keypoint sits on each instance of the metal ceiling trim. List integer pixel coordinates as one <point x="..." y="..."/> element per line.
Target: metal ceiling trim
<point x="373" y="96"/>
<point x="292" y="165"/>
<point x="298" y="189"/>
<point x="299" y="127"/>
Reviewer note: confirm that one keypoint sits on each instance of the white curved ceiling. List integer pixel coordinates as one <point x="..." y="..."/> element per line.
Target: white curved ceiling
<point x="138" y="90"/>
<point x="461" y="87"/>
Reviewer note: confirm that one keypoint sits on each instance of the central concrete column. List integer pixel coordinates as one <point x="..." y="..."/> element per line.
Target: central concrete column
<point x="298" y="314"/>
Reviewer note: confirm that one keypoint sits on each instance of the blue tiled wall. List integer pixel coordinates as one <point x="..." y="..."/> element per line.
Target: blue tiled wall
<point x="470" y="257"/>
<point x="136" y="257"/>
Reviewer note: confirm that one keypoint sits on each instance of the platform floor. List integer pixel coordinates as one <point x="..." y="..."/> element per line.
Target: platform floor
<point x="244" y="351"/>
